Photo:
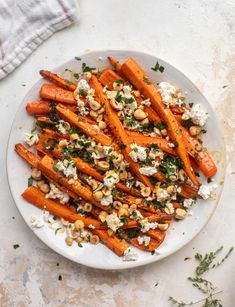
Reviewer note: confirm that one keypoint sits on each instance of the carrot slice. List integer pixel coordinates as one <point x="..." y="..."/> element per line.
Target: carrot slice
<point x="27" y="155"/>
<point x="37" y="198"/>
<point x="55" y="93"/>
<point x="156" y="234"/>
<point x="119" y="132"/>
<point x="135" y="74"/>
<point x="58" y="80"/>
<point x="107" y="78"/>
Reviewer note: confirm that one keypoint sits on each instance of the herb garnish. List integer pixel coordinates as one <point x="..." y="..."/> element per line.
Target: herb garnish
<point x="122" y="145"/>
<point x="206" y="262"/>
<point x="86" y="68"/>
<point x="146" y="80"/>
<point x="30" y="181"/>
<point x="77" y="58"/>
<point x="158" y="67"/>
<point x="15" y="246"/>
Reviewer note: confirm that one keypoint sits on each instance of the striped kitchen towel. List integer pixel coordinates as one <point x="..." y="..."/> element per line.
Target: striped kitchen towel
<point x="25" y="24"/>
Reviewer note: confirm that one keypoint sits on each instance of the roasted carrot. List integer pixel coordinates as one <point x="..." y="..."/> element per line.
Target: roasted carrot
<point x="156" y="234"/>
<point x="107" y="78"/>
<point x="116" y="245"/>
<point x="27" y="155"/>
<point x="119" y="131"/>
<point x="37" y="198"/>
<point x="134" y="73"/>
<point x="55" y="93"/>
<point x="85" y="127"/>
<point x="153" y="245"/>
<point x="38" y="107"/>
<point x="202" y="156"/>
<point x="58" y="80"/>
<point x="144" y="140"/>
<point x="116" y="65"/>
<point x="46" y="165"/>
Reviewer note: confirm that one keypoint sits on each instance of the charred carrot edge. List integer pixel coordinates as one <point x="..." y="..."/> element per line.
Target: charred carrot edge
<point x="114" y="62"/>
<point x="27" y="155"/>
<point x="44" y="119"/>
<point x="46" y="165"/>
<point x="116" y="245"/>
<point x="153" y="245"/>
<point x="37" y="198"/>
<point x="58" y="80"/>
<point x="119" y="131"/>
<point x="134" y="73"/>
<point x="38" y="107"/>
<point x="55" y="93"/>
<point x="85" y="127"/>
<point x="144" y="140"/>
<point x="203" y="158"/>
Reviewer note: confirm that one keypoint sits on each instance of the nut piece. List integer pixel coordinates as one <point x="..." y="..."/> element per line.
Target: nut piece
<point x="164" y="132"/>
<point x="116" y="105"/>
<point x="79" y="224"/>
<point x="117" y="204"/>
<point x="182" y="175"/>
<point x="98" y="195"/>
<point x="145" y="192"/>
<point x="74" y="136"/>
<point x="123" y="175"/>
<point x="102" y="125"/>
<point x="140" y="114"/>
<point x="88" y="207"/>
<point x="94" y="239"/>
<point x="106" y="191"/>
<point x="94" y="105"/>
<point x="103" y="165"/>
<point x="123" y="212"/>
<point x="163" y="227"/>
<point x="180" y="214"/>
<point x="79" y="239"/>
<point x="171" y="189"/>
<point x="44" y="188"/>
<point x="110" y="232"/>
<point x="102" y="216"/>
<point x="36" y="174"/>
<point x="194" y="130"/>
<point x="93" y="114"/>
<point x="69" y="241"/>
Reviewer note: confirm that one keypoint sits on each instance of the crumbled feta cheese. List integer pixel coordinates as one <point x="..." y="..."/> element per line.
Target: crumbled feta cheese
<point x="167" y="90"/>
<point x="126" y="89"/>
<point x="207" y="191"/>
<point x="91" y="226"/>
<point x="135" y="214"/>
<point x="188" y="202"/>
<point x="162" y="194"/>
<point x="146" y="226"/>
<point x="62" y="126"/>
<point x="31" y="138"/>
<point x="147" y="170"/>
<point x="144" y="240"/>
<point x="138" y="152"/>
<point x="83" y="85"/>
<point x="146" y="102"/>
<point x="36" y="221"/>
<point x="55" y="193"/>
<point x="111" y="178"/>
<point x="198" y="115"/>
<point x="105" y="201"/>
<point x="68" y="168"/>
<point x="113" y="221"/>
<point x="129" y="255"/>
<point x="82" y="109"/>
<point x="169" y="209"/>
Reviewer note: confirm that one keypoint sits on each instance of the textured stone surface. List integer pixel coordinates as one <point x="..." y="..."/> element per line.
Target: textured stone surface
<point x="197" y="37"/>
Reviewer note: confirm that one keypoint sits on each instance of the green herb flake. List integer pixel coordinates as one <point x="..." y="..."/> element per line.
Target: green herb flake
<point x="146" y="80"/>
<point x="86" y="68"/>
<point x="30" y="181"/>
<point x="157" y="282"/>
<point x="158" y="67"/>
<point x="77" y="58"/>
<point x="15" y="246"/>
<point x="59" y="277"/>
<point x="122" y="145"/>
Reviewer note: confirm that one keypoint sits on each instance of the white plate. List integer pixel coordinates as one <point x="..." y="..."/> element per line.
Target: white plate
<point x="180" y="233"/>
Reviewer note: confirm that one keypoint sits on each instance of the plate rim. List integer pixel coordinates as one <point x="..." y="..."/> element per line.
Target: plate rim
<point x="127" y="264"/>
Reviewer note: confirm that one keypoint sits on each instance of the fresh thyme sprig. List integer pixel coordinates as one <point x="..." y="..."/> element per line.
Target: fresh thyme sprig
<point x="206" y="262"/>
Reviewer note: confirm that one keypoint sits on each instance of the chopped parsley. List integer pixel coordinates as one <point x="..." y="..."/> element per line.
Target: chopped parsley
<point x="118" y="97"/>
<point x="158" y="67"/>
<point x="119" y="81"/>
<point x="59" y="277"/>
<point x="162" y="125"/>
<point x="146" y="80"/>
<point x="77" y="58"/>
<point x="15" y="246"/>
<point x="30" y="181"/>
<point x="86" y="68"/>
<point x="122" y="145"/>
